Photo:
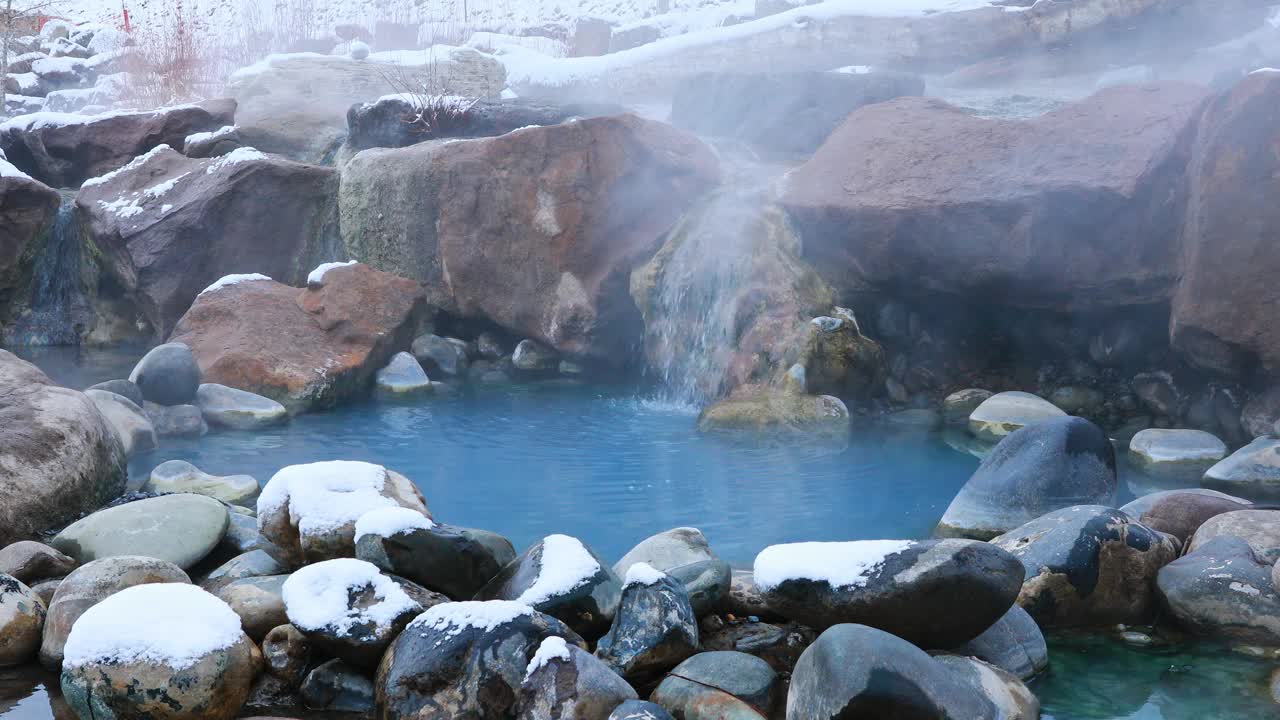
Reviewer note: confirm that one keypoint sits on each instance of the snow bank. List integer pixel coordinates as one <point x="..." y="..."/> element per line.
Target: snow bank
<point x="642" y="574"/>
<point x="228" y="280"/>
<point x="318" y="597"/>
<point x="235" y="157"/>
<point x="133" y="164"/>
<point x="316" y="277"/>
<point x="8" y="169"/>
<point x="452" y="618"/>
<point x="388" y="521"/>
<point x="839" y="564"/>
<point x="566" y="564"/>
<point x="172" y="624"/>
<point x="325" y="495"/>
<point x="552" y="648"/>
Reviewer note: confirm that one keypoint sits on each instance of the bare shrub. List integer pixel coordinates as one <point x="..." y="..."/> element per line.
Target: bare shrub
<point x="431" y="110"/>
<point x="174" y="61"/>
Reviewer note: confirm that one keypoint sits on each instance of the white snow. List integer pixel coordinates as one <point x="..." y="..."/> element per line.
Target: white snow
<point x="642" y="574"/>
<point x="552" y="648"/>
<point x="1245" y="588"/>
<point x="853" y="69"/>
<point x="202" y="136"/>
<point x="133" y="164"/>
<point x="159" y="189"/>
<point x="228" y="280"/>
<point x="325" y="496"/>
<point x="388" y="521"/>
<point x="318" y="597"/>
<point x="839" y="564"/>
<point x="316" y="277"/>
<point x="45" y="66"/>
<point x="452" y="618"/>
<point x="122" y="207"/>
<point x="27" y="82"/>
<point x="487" y="41"/>
<point x="565" y="565"/>
<point x="1265" y="70"/>
<point x="8" y="169"/>
<point x="174" y="624"/>
<point x="235" y="157"/>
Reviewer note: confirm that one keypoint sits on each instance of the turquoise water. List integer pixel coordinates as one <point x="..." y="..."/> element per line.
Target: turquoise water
<point x="612" y="466"/>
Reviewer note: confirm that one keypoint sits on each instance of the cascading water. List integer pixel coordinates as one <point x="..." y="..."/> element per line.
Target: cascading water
<point x="55" y="286"/>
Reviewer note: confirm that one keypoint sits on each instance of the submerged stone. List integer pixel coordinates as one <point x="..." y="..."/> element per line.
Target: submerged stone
<point x="179" y="476"/>
<point x="238" y="409"/>
<point x="1176" y="454"/>
<point x="167" y="375"/>
<point x="402" y="375"/>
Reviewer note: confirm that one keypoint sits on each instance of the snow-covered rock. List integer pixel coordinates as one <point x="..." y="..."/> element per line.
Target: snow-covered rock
<point x="562" y="577"/>
<point x="565" y="682"/>
<point x="453" y="560"/>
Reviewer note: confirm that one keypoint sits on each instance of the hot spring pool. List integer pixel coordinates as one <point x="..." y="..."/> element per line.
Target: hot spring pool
<point x="611" y="466"/>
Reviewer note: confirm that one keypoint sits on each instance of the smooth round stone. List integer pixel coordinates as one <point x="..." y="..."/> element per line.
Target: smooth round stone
<point x="959" y="405"/>
<point x="703" y="682"/>
<point x="1005" y="412"/>
<point x="91" y="583"/>
<point x="230" y="407"/>
<point x="124" y="388"/>
<point x="1252" y="471"/>
<point x="258" y="602"/>
<point x="1176" y="454"/>
<point x="643" y="710"/>
<point x="1012" y="699"/>
<point x="167" y="375"/>
<point x="1223" y="589"/>
<point x="533" y="356"/>
<point x="1014" y="643"/>
<point x="22" y="616"/>
<point x="176" y="420"/>
<point x="337" y="687"/>
<point x="181" y="529"/>
<point x="180" y="476"/>
<point x="1045" y="466"/>
<point x="287" y="654"/>
<point x="453" y="560"/>
<point x="402" y="375"/>
<point x="255" y="563"/>
<point x="27" y="560"/>
<point x="684" y="554"/>
<point x="1259" y="528"/>
<point x="130" y="423"/>
<point x="565" y="682"/>
<point x="1182" y="513"/>
<point x="653" y="630"/>
<point x="440" y="355"/>
<point x="1136" y="507"/>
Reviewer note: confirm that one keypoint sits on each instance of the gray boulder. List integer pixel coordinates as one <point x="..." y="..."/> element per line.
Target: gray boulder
<point x="402" y="375"/>
<point x="1014" y="644"/>
<point x="1252" y="471"/>
<point x="131" y="425"/>
<point x="639" y="710"/>
<point x="28" y="561"/>
<point x="61" y="457"/>
<point x="778" y="645"/>
<point x="1223" y="589"/>
<point x="88" y="585"/>
<point x="740" y="685"/>
<point x="854" y="671"/>
<point x="565" y="682"/>
<point x="654" y="628"/>
<point x="959" y="405"/>
<point x="176" y="420"/>
<point x="442" y="356"/>
<point x="452" y="560"/>
<point x="684" y="554"/>
<point x="1176" y="454"/>
<point x="123" y="388"/>
<point x="1003" y="413"/>
<point x="181" y="529"/>
<point x="1088" y="565"/>
<point x="167" y="375"/>
<point x="22" y="614"/>
<point x="463" y="659"/>
<point x="1259" y="528"/>
<point x="563" y="578"/>
<point x="255" y="563"/>
<point x="1039" y="468"/>
<point x="337" y="687"/>
<point x="1261" y="415"/>
<point x="532" y="356"/>
<point x="229" y="407"/>
<point x="1180" y="513"/>
<point x="214" y="143"/>
<point x="258" y="601"/>
<point x="934" y="593"/>
<point x="1012" y="699"/>
<point x="286" y="653"/>
<point x="180" y="476"/>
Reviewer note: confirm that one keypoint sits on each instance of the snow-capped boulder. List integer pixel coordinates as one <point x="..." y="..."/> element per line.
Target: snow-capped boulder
<point x="935" y="593"/>
<point x="160" y="651"/>
<point x="1223" y="589"/>
<point x="1036" y="469"/>
<point x="169" y="226"/>
<point x="453" y="560"/>
<point x="421" y="209"/>
<point x="304" y="348"/>
<point x="132" y="428"/>
<point x="562" y="577"/>
<point x="65" y="150"/>
<point x="1014" y="644"/>
<point x="91" y="583"/>
<point x="684" y="554"/>
<point x="743" y="685"/>
<point x="238" y="409"/>
<point x="565" y="682"/>
<point x="348" y="608"/>
<point x="182" y="528"/>
<point x="654" y="628"/>
<point x="464" y="659"/>
<point x="21" y="622"/>
<point x="854" y="670"/>
<point x="60" y="457"/>
<point x="1088" y="565"/>
<point x="310" y="511"/>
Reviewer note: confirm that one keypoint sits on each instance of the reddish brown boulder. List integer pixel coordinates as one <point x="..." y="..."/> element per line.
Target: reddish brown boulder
<point x="65" y="154"/>
<point x="1075" y="209"/>
<point x="168" y="225"/>
<point x="1224" y="311"/>
<point x="536" y="230"/>
<point x="304" y="348"/>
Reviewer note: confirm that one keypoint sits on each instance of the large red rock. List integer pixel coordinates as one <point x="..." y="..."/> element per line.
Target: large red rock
<point x="536" y="230"/>
<point x="64" y="151"/>
<point x="305" y="348"/>
<point x="1076" y="209"/>
<point x="1224" y="310"/>
<point x="168" y="225"/>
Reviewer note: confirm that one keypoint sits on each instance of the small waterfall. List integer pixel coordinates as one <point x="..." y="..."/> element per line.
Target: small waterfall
<point x="56" y="294"/>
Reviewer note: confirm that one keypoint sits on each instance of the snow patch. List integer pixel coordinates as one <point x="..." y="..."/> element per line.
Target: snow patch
<point x="552" y="648"/>
<point x="324" y="496"/>
<point x="133" y="164"/>
<point x="452" y="618"/>
<point x="172" y="624"/>
<point x="316" y="277"/>
<point x="203" y="136"/>
<point x="318" y="597"/>
<point x="235" y="157"/>
<point x="565" y="565"/>
<point x="123" y="207"/>
<point x="229" y="280"/>
<point x="643" y="574"/>
<point x="8" y="169"/>
<point x="839" y="564"/>
<point x="1245" y="588"/>
<point x="388" y="521"/>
